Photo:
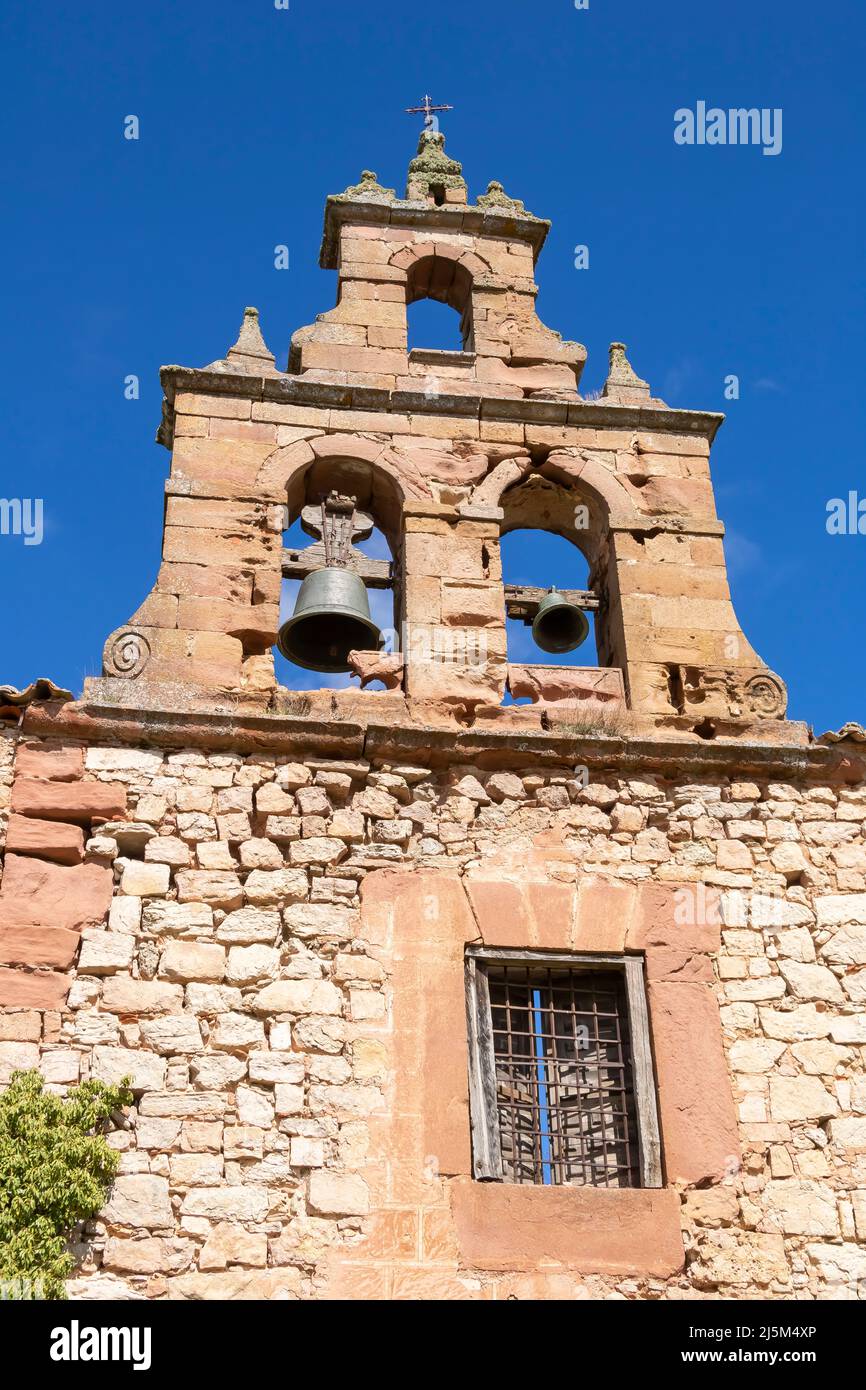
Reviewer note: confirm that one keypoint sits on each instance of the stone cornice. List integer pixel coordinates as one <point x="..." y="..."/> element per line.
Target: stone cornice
<point x="488" y="747"/>
<point x="399" y="212"/>
<point x="297" y="390"/>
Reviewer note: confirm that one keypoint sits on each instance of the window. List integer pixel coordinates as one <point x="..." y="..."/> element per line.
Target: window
<point x="561" y="1080"/>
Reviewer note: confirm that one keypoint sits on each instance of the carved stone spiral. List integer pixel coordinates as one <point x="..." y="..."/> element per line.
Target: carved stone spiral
<point x="766" y="695"/>
<point x="128" y="654"/>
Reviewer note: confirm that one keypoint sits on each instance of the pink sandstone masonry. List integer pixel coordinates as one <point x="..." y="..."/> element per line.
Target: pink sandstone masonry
<point x="256" y="901"/>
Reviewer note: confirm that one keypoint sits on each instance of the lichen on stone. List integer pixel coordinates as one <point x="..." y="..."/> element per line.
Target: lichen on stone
<point x="368" y="188"/>
<point x="496" y="198"/>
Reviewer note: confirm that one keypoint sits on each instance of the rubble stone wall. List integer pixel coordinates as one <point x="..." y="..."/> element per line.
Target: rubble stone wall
<point x="233" y="962"/>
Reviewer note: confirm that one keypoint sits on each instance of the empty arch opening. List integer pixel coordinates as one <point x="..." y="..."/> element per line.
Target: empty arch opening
<point x="439" y="280"/>
<point x="433" y="325"/>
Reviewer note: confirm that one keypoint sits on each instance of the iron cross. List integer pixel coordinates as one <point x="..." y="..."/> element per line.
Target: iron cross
<point x="426" y="110"/>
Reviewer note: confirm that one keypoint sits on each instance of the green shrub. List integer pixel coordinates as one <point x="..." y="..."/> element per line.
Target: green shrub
<point x="55" y="1168"/>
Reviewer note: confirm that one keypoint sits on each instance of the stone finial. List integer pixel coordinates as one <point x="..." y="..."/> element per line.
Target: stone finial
<point x="250" y="353"/>
<point x="496" y="198"/>
<point x="368" y="190"/>
<point x="623" y="385"/>
<point x="433" y="175"/>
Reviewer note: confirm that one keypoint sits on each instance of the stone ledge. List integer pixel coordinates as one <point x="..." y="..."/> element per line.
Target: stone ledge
<point x="594" y="1230"/>
<point x="405" y="213"/>
<point x="297" y="390"/>
<point x="492" y="748"/>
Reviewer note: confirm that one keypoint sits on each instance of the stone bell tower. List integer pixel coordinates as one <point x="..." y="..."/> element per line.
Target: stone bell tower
<point x="426" y="992"/>
<point x="446" y="451"/>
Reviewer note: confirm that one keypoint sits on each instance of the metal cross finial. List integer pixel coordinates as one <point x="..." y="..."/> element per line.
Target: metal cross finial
<point x="426" y="110"/>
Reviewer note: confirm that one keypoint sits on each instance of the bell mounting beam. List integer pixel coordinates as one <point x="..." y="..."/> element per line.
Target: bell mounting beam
<point x="522" y="600"/>
<point x="297" y="564"/>
<point x="336" y="524"/>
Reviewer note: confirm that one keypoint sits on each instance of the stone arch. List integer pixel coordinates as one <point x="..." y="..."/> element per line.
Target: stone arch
<point x="372" y="471"/>
<point x="578" y="476"/>
<point x="445" y="273"/>
<point x="575" y="496"/>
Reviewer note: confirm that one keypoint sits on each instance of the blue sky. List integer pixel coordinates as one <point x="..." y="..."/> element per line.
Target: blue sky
<point x="123" y="255"/>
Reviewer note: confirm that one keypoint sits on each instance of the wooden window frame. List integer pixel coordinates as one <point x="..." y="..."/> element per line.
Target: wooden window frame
<point x="486" y="1150"/>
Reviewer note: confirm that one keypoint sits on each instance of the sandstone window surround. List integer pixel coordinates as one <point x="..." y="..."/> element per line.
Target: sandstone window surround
<point x="561" y="1078"/>
<point x="424" y="921"/>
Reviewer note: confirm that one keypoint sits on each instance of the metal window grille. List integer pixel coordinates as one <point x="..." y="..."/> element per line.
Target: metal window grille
<point x="561" y="1082"/>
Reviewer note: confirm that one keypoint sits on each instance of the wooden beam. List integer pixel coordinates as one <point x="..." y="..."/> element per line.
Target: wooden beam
<point x="522" y="600"/>
<point x="297" y="564"/>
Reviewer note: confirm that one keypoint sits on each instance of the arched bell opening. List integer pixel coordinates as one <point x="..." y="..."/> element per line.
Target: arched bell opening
<point x="534" y="562"/>
<point x="340" y="589"/>
<point x="554" y="565"/>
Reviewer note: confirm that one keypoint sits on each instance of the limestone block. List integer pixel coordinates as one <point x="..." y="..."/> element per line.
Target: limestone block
<point x="218" y="888"/>
<point x="166" y="918"/>
<point x="215" y="854"/>
<point x="820" y="1058"/>
<point x="235" y="1031"/>
<point x="272" y="1068"/>
<point x="288" y="1100"/>
<point x="248" y="964"/>
<point x="193" y="960"/>
<point x="246" y="1203"/>
<point x="124" y="915"/>
<point x="754" y="1055"/>
<point x="105" y="952"/>
<point x="797" y="1207"/>
<point x="797" y="1024"/>
<point x="839" y="909"/>
<point x="195" y="1170"/>
<point x="217" y="1071"/>
<point x="273" y="800"/>
<point x="265" y="888"/>
<point x="811" y="981"/>
<point x="848" y="1134"/>
<point x="147" y="1256"/>
<point x="260" y="854"/>
<point x="171" y="1034"/>
<point x="248" y="925"/>
<point x="229" y="1244"/>
<point x="298" y="997"/>
<point x="17" y="1056"/>
<point x="143" y="880"/>
<point x="254" y="1107"/>
<point x="61" y="1066"/>
<point x="139" y="1200"/>
<point x="123" y="995"/>
<point x="320" y="849"/>
<point x="212" y="999"/>
<point x="233" y="1284"/>
<point x="800" y="1098"/>
<point x="847" y="946"/>
<point x="167" y="849"/>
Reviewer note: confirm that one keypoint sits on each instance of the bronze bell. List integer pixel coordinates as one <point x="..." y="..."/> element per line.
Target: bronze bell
<point x="559" y="626"/>
<point x="331" y="619"/>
